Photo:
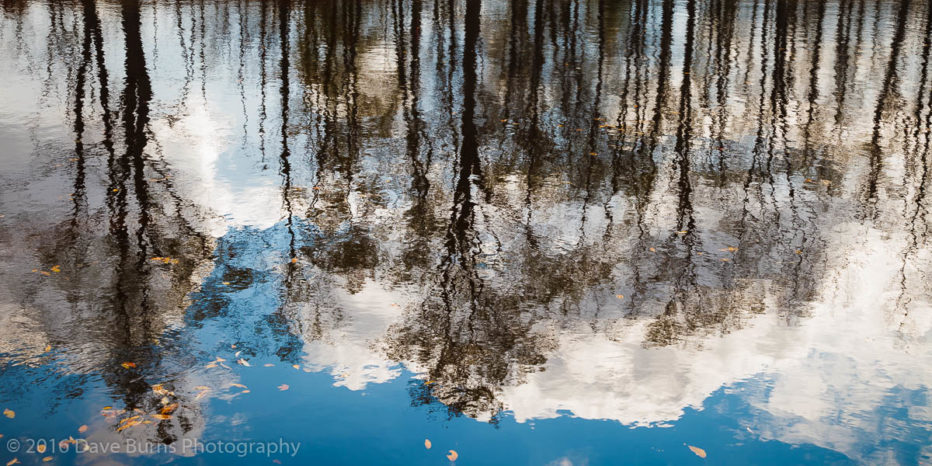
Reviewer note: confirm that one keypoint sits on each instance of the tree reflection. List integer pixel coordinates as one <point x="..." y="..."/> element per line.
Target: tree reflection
<point x="517" y="168"/>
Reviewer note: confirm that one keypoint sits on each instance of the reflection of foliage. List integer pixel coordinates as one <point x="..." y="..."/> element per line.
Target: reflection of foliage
<point x="518" y="176"/>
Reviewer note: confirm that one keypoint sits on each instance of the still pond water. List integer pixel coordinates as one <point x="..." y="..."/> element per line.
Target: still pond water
<point x="530" y="232"/>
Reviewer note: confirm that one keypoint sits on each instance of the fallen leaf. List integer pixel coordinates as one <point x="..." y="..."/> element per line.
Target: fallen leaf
<point x="47" y="459"/>
<point x="168" y="409"/>
<point x="296" y="366"/>
<point x="201" y="394"/>
<point x="82" y="429"/>
<point x="9" y="413"/>
<point x="40" y="448"/>
<point x="163" y="417"/>
<point x="268" y="364"/>
<point x="242" y="362"/>
<point x="48" y="348"/>
<point x="56" y="268"/>
<point x="653" y="250"/>
<point x="453" y="455"/>
<point x="238" y="385"/>
<point x="427" y="443"/>
<point x="294" y="260"/>
<point x="283" y="387"/>
<point x="127" y="365"/>
<point x="698" y="451"/>
<point x="202" y="387"/>
<point x="682" y="232"/>
<point x="620" y="296"/>
<point x="12" y="462"/>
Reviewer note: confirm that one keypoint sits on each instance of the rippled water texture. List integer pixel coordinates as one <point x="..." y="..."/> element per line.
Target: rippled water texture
<point x="548" y="231"/>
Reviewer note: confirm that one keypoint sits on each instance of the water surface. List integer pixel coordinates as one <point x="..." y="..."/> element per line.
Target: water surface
<point x="532" y="232"/>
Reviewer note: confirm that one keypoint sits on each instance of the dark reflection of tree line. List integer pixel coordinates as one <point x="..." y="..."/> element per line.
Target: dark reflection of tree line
<point x="672" y="92"/>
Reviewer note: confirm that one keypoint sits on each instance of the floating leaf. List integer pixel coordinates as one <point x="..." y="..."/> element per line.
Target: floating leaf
<point x="620" y="296"/>
<point x="427" y="443"/>
<point x="238" y="385"/>
<point x="82" y="429"/>
<point x="48" y="348"/>
<point x="12" y="462"/>
<point x="242" y="362"/>
<point x="168" y="409"/>
<point x="56" y="268"/>
<point x="283" y="387"/>
<point x="163" y="417"/>
<point x="653" y="250"/>
<point x="268" y="364"/>
<point x="453" y="455"/>
<point x="201" y="394"/>
<point x="294" y="260"/>
<point x="40" y="448"/>
<point x="127" y="365"/>
<point x="296" y="366"/>
<point x="698" y="451"/>
<point x="47" y="459"/>
<point x="9" y="413"/>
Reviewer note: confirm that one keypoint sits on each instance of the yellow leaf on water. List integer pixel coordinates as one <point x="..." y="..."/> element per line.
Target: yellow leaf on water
<point x="296" y="366"/>
<point x="238" y="385"/>
<point x="40" y="448"/>
<point x="56" y="268"/>
<point x="48" y="348"/>
<point x="9" y="413"/>
<point x="620" y="296"/>
<point x="698" y="451"/>
<point x="82" y="429"/>
<point x="211" y="365"/>
<point x="427" y="443"/>
<point x="168" y="409"/>
<point x="682" y="232"/>
<point x="47" y="459"/>
<point x="283" y="387"/>
<point x="453" y="455"/>
<point x="127" y="365"/>
<point x="163" y="417"/>
<point x="201" y="394"/>
<point x="294" y="260"/>
<point x="12" y="462"/>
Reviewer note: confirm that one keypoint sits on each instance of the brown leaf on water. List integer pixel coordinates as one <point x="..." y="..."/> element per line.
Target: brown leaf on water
<point x="294" y="260"/>
<point x="163" y="417"/>
<point x="453" y="455"/>
<point x="9" y="413"/>
<point x="160" y="390"/>
<point x="201" y="394"/>
<point x="127" y="365"/>
<point x="47" y="459"/>
<point x="40" y="448"/>
<point x="653" y="250"/>
<point x="238" y="385"/>
<point x="698" y="451"/>
<point x="211" y="365"/>
<point x="56" y="268"/>
<point x="427" y="443"/>
<point x="12" y="462"/>
<point x="202" y="387"/>
<point x="283" y="387"/>
<point x="168" y="409"/>
<point x="82" y="429"/>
